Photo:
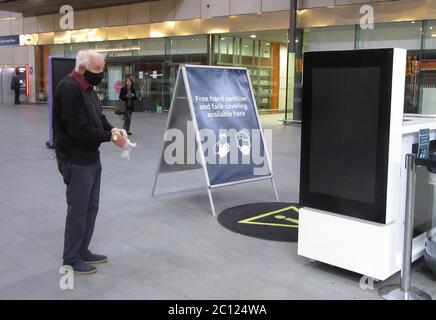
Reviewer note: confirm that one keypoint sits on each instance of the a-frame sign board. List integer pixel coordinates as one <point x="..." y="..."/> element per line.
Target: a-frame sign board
<point x="213" y="109"/>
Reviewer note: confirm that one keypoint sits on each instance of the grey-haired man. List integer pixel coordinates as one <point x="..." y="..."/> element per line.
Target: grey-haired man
<point x="80" y="128"/>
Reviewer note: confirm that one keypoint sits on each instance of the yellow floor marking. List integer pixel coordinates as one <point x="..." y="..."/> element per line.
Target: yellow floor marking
<point x="271" y="224"/>
<point x="287" y="219"/>
<point x="280" y="217"/>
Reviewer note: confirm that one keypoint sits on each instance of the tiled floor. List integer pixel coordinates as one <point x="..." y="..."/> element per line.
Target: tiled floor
<point x="163" y="247"/>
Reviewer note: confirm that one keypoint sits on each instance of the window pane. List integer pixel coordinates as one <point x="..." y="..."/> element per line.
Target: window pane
<point x="329" y="38"/>
<point x="404" y="35"/>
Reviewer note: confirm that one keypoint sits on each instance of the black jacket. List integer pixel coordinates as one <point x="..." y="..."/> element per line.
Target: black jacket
<point x="123" y="97"/>
<point x="15" y="82"/>
<point x="78" y="123"/>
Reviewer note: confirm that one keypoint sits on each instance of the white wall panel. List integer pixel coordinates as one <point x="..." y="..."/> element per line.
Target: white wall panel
<point x="97" y="18"/>
<point x="5" y="28"/>
<point x="30" y="25"/>
<point x="244" y="7"/>
<point x="275" y="5"/>
<point x="17" y="26"/>
<point x="215" y="8"/>
<point x="19" y="55"/>
<point x="139" y="13"/>
<point x="45" y="23"/>
<point x="162" y="10"/>
<point x="187" y="9"/>
<point x="117" y="16"/>
<point x="316" y="3"/>
<point x="6" y="55"/>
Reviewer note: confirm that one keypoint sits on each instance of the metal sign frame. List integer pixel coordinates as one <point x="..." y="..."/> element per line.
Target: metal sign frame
<point x="182" y="76"/>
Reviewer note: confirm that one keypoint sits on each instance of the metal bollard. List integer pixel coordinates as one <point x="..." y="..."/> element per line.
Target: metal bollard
<point x="405" y="291"/>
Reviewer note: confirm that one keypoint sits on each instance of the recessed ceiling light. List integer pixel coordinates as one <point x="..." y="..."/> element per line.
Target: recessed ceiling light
<point x="223" y="38"/>
<point x="253" y="36"/>
<point x="268" y="44"/>
<point x="412" y="21"/>
<point x="245" y="46"/>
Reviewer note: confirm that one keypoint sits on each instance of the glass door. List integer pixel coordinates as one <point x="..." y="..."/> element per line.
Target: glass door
<point x="148" y="78"/>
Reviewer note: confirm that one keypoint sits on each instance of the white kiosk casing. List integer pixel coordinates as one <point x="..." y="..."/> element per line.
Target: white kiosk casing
<point x="370" y="248"/>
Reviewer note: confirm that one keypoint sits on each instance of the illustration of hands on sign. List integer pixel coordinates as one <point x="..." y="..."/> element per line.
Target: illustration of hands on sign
<point x="244" y="143"/>
<point x="222" y="147"/>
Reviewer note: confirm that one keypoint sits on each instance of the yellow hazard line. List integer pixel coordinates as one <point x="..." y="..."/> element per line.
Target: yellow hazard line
<point x="271" y="224"/>
<point x="250" y="220"/>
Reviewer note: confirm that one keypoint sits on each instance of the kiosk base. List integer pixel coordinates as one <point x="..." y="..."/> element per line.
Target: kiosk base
<point x="394" y="292"/>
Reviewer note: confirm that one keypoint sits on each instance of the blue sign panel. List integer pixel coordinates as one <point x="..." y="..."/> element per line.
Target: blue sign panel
<point x="424" y="143"/>
<point x="227" y="120"/>
<point x="9" y="41"/>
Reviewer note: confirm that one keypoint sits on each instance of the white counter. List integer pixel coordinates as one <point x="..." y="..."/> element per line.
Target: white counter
<point x="413" y="123"/>
<point x="371" y="249"/>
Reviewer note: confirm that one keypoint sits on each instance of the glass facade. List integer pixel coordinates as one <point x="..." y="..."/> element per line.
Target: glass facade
<point x="418" y="37"/>
<point x="152" y="63"/>
<point x="264" y="55"/>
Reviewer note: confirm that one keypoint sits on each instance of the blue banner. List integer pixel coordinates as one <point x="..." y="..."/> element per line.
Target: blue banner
<point x="9" y="41"/>
<point x="225" y="111"/>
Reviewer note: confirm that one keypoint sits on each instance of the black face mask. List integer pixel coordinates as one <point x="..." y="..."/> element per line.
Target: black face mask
<point x="93" y="78"/>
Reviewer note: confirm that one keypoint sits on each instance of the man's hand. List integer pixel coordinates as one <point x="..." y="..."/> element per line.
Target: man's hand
<point x="123" y="133"/>
<point x="120" y="131"/>
<point x="118" y="139"/>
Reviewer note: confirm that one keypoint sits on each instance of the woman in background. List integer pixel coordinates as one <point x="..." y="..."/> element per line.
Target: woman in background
<point x="128" y="95"/>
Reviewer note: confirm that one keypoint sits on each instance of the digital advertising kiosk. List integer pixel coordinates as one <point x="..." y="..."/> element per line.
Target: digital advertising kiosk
<point x="353" y="147"/>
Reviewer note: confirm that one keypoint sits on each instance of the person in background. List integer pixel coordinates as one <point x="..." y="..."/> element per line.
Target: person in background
<point x="80" y="128"/>
<point x="128" y="95"/>
<point x="16" y="85"/>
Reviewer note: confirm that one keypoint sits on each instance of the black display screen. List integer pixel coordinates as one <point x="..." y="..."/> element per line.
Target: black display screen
<point x="352" y="173"/>
<point x="61" y="67"/>
<point x="345" y="132"/>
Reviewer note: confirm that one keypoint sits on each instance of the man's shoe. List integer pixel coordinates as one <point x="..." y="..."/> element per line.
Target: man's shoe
<point x="94" y="258"/>
<point x="81" y="267"/>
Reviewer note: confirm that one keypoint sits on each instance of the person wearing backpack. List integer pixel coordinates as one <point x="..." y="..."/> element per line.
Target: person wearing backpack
<point x="128" y="95"/>
<point x="16" y="85"/>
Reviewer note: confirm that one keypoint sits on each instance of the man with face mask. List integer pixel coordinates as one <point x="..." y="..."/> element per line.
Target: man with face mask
<point x="80" y="128"/>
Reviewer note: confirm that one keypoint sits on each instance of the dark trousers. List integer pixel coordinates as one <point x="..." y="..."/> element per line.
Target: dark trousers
<point x="83" y="196"/>
<point x="127" y="120"/>
<point x="17" y="96"/>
